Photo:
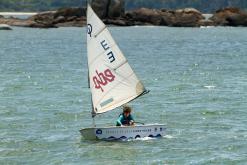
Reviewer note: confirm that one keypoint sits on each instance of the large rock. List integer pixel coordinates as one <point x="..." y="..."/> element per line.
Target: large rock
<point x="145" y="16"/>
<point x="70" y="12"/>
<point x="62" y="17"/>
<point x="230" y="17"/>
<point x="100" y="7"/>
<point x="108" y="8"/>
<point x="43" y="20"/>
<point x="187" y="17"/>
<point x="116" y="9"/>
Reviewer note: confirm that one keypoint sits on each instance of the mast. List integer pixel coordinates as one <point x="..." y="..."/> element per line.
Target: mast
<point x="92" y="113"/>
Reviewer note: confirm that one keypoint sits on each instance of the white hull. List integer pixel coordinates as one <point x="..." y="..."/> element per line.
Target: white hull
<point x="128" y="132"/>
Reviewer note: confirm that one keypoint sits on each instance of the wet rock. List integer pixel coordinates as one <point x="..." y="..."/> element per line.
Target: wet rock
<point x="230" y="17"/>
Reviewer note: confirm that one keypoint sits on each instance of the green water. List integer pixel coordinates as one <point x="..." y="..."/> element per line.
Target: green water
<point x="198" y="83"/>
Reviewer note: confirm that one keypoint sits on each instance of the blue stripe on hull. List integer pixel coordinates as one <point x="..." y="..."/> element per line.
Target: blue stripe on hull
<point x="125" y="138"/>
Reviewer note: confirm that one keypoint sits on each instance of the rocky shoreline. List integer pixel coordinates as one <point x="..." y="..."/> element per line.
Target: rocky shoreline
<point x="112" y="12"/>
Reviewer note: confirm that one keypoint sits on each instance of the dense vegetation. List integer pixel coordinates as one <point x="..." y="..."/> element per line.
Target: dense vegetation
<point x="41" y="5"/>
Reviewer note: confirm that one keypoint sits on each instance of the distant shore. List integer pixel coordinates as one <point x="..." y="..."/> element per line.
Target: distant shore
<point x="76" y="17"/>
<point x="14" y="14"/>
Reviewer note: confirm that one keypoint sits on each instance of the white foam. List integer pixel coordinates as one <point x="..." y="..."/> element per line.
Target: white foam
<point x="209" y="86"/>
<point x="145" y="138"/>
<point x="168" y="137"/>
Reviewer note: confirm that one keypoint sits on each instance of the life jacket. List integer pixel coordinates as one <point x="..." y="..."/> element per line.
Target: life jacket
<point x="126" y="121"/>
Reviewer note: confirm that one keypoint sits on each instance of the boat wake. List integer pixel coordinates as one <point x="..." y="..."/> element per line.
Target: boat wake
<point x="147" y="138"/>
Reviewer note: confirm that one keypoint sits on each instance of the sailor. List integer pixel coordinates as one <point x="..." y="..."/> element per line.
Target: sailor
<point x="125" y="119"/>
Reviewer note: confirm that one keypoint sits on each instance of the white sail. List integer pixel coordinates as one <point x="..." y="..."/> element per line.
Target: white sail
<point x="112" y="81"/>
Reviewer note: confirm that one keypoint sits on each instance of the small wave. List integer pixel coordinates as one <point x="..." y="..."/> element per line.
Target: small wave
<point x="151" y="138"/>
<point x="204" y="27"/>
<point x="168" y="137"/>
<point x="209" y="86"/>
<point x="145" y="139"/>
<point x="54" y="138"/>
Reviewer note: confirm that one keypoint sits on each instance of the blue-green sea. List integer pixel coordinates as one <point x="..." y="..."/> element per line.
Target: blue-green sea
<point x="197" y="79"/>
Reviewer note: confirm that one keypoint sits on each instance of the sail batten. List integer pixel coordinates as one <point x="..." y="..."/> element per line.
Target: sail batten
<point x="101" y="30"/>
<point x="112" y="80"/>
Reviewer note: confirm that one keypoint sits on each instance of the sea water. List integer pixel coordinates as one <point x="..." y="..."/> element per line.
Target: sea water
<point x="197" y="79"/>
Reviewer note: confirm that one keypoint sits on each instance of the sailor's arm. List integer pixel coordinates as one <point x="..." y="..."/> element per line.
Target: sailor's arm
<point x="132" y="121"/>
<point x="119" y="123"/>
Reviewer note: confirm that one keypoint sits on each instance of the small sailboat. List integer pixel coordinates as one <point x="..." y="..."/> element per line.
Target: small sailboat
<point x="113" y="83"/>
